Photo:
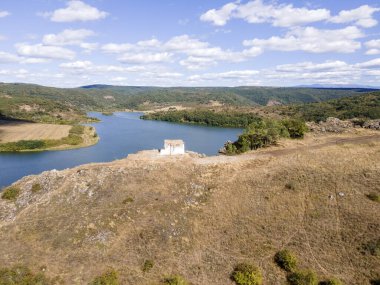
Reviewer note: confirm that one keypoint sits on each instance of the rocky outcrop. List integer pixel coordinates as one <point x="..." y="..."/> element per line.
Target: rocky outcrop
<point x="335" y="125"/>
<point x="372" y="124"/>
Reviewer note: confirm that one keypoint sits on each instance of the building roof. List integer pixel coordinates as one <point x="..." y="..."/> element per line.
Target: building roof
<point x="174" y="142"/>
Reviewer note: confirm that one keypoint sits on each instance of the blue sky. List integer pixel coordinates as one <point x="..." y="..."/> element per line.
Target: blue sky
<point x="69" y="43"/>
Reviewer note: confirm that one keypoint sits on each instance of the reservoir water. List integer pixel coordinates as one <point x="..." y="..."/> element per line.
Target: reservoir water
<point x="120" y="135"/>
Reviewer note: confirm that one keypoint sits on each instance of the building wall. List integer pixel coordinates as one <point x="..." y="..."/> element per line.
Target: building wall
<point x="172" y="150"/>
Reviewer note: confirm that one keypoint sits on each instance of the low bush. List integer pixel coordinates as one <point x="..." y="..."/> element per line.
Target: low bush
<point x="296" y="128"/>
<point x="247" y="274"/>
<point x="21" y="275"/>
<point x="77" y="130"/>
<point x="148" y="265"/>
<point x="128" y="200"/>
<point x="174" y="280"/>
<point x="303" y="277"/>
<point x="374" y="197"/>
<point x="36" y="187"/>
<point x="332" y="281"/>
<point x="290" y="185"/>
<point x="286" y="260"/>
<point x="108" y="278"/>
<point x="372" y="247"/>
<point x="11" y="193"/>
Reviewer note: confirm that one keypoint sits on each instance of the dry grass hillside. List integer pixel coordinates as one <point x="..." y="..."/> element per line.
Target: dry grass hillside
<point x="199" y="217"/>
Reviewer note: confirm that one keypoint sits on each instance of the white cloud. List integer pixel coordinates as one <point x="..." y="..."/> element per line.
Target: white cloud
<point x="67" y="37"/>
<point x="76" y="11"/>
<point x="89" y="67"/>
<point x="4" y="14"/>
<point x="195" y="63"/>
<point x="310" y="39"/>
<point x="153" y="43"/>
<point x="258" y="12"/>
<point x="286" y="15"/>
<point x="373" y="47"/>
<point x="329" y="72"/>
<point x="229" y="75"/>
<point x="220" y="16"/>
<point x="42" y="51"/>
<point x="199" y="54"/>
<point x="185" y="43"/>
<point x="145" y="57"/>
<point x="310" y="66"/>
<point x="117" y="48"/>
<point x="89" y="47"/>
<point x="8" y="57"/>
<point x="119" y="79"/>
<point x="362" y="16"/>
<point x="375" y="63"/>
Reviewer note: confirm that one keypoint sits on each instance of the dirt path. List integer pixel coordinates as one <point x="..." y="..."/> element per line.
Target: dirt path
<point x="285" y="151"/>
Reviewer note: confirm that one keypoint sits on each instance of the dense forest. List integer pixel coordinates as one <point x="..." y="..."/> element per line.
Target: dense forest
<point x="234" y="119"/>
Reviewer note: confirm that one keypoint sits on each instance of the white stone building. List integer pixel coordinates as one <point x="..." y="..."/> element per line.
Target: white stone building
<point x="173" y="147"/>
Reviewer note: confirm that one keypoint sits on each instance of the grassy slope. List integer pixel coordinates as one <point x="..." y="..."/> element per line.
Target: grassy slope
<point x="200" y="219"/>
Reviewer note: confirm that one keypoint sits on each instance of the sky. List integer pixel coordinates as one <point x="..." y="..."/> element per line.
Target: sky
<point x="70" y="43"/>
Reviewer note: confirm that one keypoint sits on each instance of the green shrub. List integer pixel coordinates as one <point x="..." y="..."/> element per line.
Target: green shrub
<point x="286" y="260"/>
<point x="128" y="200"/>
<point x="21" y="275"/>
<point x="372" y="247"/>
<point x="332" y="281"/>
<point x="304" y="277"/>
<point x="77" y="130"/>
<point x="22" y="145"/>
<point x="108" y="278"/>
<point x="36" y="187"/>
<point x="296" y="127"/>
<point x="247" y="274"/>
<point x="175" y="280"/>
<point x="148" y="265"/>
<point x="290" y="185"/>
<point x="374" y="197"/>
<point x="11" y="193"/>
<point x="231" y="149"/>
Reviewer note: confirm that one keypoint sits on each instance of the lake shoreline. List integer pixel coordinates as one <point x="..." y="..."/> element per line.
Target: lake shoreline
<point x="89" y="138"/>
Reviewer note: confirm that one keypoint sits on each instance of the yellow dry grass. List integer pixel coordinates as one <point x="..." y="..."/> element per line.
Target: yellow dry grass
<point x="16" y="131"/>
<point x="199" y="217"/>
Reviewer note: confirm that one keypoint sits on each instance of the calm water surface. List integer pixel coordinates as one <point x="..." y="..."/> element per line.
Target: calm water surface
<point x="120" y="135"/>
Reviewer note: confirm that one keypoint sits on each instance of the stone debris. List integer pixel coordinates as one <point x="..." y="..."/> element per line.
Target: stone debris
<point x="332" y="125"/>
<point x="335" y="125"/>
<point x="372" y="124"/>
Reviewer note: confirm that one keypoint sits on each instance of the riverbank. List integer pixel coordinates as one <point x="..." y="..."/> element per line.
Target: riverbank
<point x="32" y="137"/>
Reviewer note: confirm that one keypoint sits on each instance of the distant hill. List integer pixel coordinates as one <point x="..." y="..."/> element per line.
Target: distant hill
<point x="228" y="95"/>
<point x="363" y="106"/>
<point x="48" y="104"/>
